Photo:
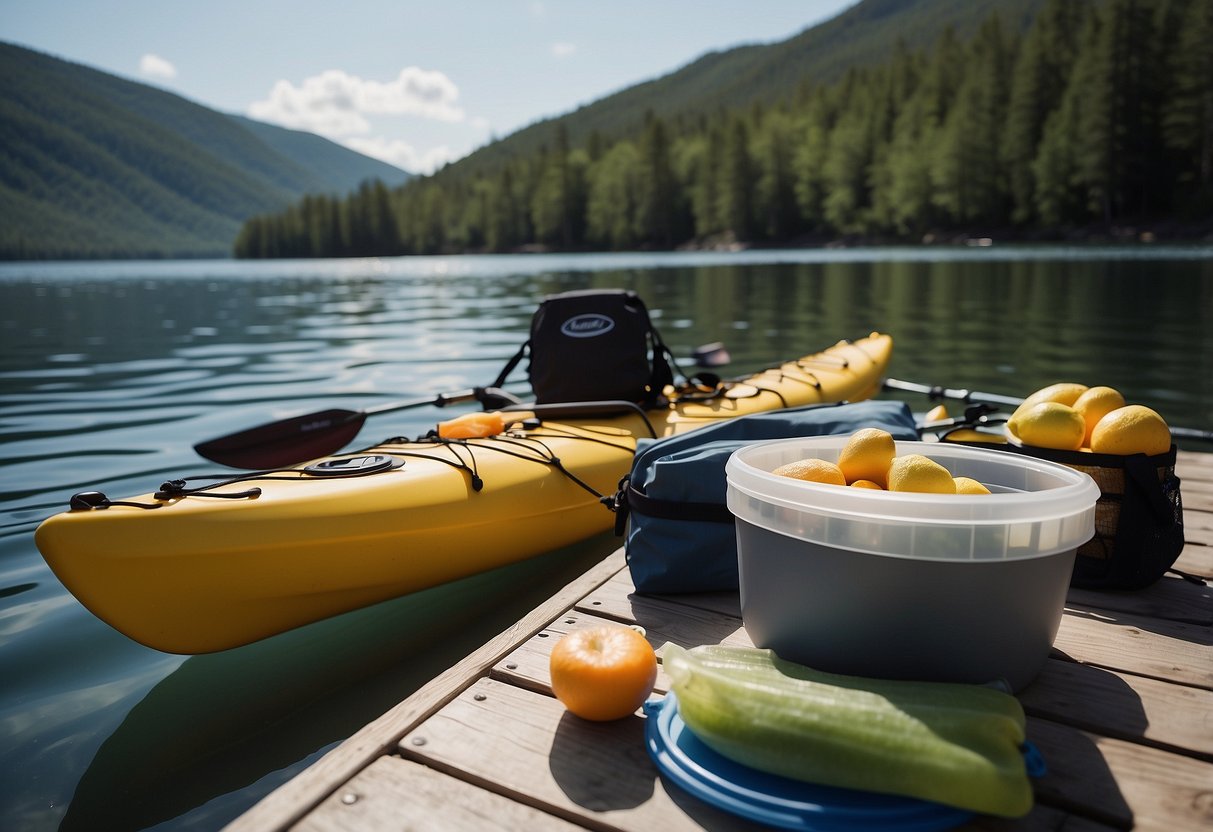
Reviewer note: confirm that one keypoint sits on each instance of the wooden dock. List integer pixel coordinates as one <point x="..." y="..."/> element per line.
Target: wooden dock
<point x="1122" y="713"/>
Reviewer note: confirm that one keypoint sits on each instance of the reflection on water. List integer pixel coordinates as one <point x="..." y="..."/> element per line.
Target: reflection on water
<point x="110" y="372"/>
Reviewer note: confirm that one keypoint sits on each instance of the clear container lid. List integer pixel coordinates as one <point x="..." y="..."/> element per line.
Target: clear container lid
<point x="1036" y="507"/>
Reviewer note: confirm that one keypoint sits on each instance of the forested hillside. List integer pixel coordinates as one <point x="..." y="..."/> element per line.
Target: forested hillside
<point x="762" y="74"/>
<point x="1098" y="112"/>
<point x="96" y="166"/>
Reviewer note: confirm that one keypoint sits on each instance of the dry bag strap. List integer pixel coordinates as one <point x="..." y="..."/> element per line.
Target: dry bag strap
<point x="629" y="498"/>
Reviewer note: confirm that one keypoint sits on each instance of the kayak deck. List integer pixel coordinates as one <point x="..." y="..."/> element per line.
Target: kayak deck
<point x="1119" y="714"/>
<point x="270" y="551"/>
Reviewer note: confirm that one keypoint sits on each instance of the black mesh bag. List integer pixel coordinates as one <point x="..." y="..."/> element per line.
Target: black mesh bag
<point x="1139" y="521"/>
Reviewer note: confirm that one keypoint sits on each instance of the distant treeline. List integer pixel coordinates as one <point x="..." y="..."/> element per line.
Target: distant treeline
<point x="1101" y="112"/>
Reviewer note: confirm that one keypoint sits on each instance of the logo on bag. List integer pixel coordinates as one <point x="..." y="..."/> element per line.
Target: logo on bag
<point x="587" y="326"/>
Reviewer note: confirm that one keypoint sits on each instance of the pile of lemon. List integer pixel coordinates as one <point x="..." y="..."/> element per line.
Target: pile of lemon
<point x="869" y="460"/>
<point x="1070" y="416"/>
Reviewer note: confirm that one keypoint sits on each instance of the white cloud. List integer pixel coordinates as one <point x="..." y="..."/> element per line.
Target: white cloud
<point x="154" y="66"/>
<point x="336" y="103"/>
<point x="563" y="50"/>
<point x="402" y="154"/>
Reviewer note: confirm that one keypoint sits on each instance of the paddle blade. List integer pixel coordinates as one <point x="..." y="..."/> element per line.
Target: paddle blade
<point x="285" y="443"/>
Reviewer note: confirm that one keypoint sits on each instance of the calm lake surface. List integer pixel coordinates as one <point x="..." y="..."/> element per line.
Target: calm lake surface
<point x="110" y="372"/>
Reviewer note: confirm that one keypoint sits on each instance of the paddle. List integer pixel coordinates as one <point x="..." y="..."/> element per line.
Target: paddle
<point x="312" y="435"/>
<point x="934" y="392"/>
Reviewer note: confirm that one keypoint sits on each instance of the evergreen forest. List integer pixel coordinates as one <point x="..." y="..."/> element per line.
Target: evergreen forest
<point x="1097" y="114"/>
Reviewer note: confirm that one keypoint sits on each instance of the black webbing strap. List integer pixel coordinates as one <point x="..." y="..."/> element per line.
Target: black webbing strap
<point x="636" y="500"/>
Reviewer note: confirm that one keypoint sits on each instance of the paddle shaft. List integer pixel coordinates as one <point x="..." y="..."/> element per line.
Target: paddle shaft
<point x="935" y="392"/>
<point x="299" y="438"/>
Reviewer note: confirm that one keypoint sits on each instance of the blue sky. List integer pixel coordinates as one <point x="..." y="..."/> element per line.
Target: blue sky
<point x="416" y="84"/>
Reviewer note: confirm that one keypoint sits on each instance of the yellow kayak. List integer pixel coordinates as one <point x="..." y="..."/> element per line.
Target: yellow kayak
<point x="266" y="553"/>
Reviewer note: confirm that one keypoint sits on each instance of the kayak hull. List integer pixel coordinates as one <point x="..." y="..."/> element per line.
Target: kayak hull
<point x="199" y="574"/>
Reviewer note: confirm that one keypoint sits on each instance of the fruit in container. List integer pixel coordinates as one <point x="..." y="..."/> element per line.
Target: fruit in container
<point x="812" y="470"/>
<point x="1063" y="392"/>
<point x="1096" y="403"/>
<point x="1132" y="429"/>
<point x="1051" y="425"/>
<point x="916" y="472"/>
<point x="1051" y="418"/>
<point x="867" y="455"/>
<point x="968" y="485"/>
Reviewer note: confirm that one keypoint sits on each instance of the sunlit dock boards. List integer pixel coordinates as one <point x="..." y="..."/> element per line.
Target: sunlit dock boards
<point x="1121" y="714"/>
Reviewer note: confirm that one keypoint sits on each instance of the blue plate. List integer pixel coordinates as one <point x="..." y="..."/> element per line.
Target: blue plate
<point x="779" y="801"/>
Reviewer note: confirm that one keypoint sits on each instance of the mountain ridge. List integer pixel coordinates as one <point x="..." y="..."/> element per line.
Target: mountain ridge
<point x="100" y="166"/>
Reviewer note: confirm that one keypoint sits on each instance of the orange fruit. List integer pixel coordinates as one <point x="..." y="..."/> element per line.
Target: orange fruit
<point x="867" y="456"/>
<point x="812" y="470"/>
<point x="915" y="472"/>
<point x="1134" y="429"/>
<point x="866" y="484"/>
<point x="603" y="672"/>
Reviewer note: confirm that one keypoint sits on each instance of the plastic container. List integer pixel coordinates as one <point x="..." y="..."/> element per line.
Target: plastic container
<point x="961" y="588"/>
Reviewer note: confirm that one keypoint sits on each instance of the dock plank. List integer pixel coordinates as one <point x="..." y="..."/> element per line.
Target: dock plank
<point x="1122" y="784"/>
<point x="1121" y="705"/>
<point x="527" y="746"/>
<point x="1168" y="650"/>
<point x="1172" y="598"/>
<point x="392" y="793"/>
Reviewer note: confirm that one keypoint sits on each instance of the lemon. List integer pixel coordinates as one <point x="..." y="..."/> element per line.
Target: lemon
<point x="867" y="455"/>
<point x="866" y="484"/>
<point x="812" y="470"/>
<point x="1096" y="403"/>
<point x="937" y="414"/>
<point x="1064" y="392"/>
<point x="968" y="485"/>
<point x="1052" y="425"/>
<point x="1133" y="429"/>
<point x="915" y="472"/>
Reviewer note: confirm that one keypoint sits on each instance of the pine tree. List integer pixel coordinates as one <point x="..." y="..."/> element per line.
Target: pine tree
<point x="1187" y="125"/>
<point x="1038" y="82"/>
<point x="735" y="203"/>
<point x="968" y="182"/>
<point x="775" y="195"/>
<point x="614" y="191"/>
<point x="656" y="200"/>
<point x="809" y="159"/>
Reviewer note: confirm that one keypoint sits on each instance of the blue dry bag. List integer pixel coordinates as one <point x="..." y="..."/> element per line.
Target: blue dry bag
<point x="680" y="533"/>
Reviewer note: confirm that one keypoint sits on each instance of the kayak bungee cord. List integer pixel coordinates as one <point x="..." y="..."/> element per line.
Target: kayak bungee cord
<point x="526" y="448"/>
<point x="171" y="490"/>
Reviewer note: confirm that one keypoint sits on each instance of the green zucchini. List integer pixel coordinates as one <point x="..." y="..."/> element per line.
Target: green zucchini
<point x="954" y="744"/>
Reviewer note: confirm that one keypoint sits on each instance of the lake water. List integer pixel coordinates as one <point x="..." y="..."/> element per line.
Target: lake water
<point x="110" y="372"/>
